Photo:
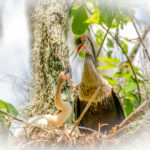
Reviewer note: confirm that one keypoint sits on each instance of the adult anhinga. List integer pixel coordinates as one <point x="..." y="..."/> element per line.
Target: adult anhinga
<point x="106" y="108"/>
<point x="49" y="121"/>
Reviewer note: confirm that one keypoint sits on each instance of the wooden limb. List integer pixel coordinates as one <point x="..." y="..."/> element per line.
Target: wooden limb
<point x="132" y="117"/>
<point x="137" y="45"/>
<point x="139" y="36"/>
<point x="128" y="59"/>
<point x="23" y="121"/>
<point x="85" y="109"/>
<point x="135" y="114"/>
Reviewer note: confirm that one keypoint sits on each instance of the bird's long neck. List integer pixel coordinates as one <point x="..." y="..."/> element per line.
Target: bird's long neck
<point x="58" y="101"/>
<point x="90" y="74"/>
<point x="61" y="105"/>
<point x="65" y="107"/>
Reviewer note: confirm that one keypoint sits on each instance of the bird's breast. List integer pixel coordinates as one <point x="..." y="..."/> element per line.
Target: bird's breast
<point x="86" y="92"/>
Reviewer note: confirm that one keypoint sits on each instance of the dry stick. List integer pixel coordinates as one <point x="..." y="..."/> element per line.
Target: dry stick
<point x="85" y="109"/>
<point x="20" y="120"/>
<point x="138" y="87"/>
<point x="131" y="17"/>
<point x="133" y="116"/>
<point x="85" y="128"/>
<point x="137" y="45"/>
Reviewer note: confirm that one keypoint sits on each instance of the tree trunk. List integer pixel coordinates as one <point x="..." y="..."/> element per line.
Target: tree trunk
<point x="49" y="53"/>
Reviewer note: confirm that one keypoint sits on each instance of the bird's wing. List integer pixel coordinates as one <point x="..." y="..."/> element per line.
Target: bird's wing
<point x="118" y="105"/>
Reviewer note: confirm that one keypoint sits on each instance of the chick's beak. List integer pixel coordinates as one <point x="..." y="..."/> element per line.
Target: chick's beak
<point x="68" y="70"/>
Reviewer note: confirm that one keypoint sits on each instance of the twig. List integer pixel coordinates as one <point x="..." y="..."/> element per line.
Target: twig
<point x="100" y="126"/>
<point x="85" y="128"/>
<point x="20" y="120"/>
<point x="85" y="109"/>
<point x="103" y="42"/>
<point x="133" y="39"/>
<point x="138" y="87"/>
<point x="87" y="8"/>
<point x="140" y="38"/>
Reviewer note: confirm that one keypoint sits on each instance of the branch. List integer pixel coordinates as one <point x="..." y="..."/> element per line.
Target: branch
<point x="87" y="8"/>
<point x="85" y="109"/>
<point x="137" y="45"/>
<point x="132" y="117"/>
<point x="20" y="120"/>
<point x="140" y="37"/>
<point x="128" y="59"/>
<point x="103" y="42"/>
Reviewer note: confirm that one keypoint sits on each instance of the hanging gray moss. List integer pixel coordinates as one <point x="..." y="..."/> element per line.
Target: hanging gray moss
<point x="49" y="54"/>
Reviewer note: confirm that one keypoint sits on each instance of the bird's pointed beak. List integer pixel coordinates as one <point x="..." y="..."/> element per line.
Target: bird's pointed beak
<point x="68" y="70"/>
<point x="80" y="48"/>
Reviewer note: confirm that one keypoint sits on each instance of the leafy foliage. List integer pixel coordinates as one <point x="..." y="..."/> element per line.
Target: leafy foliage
<point x="9" y="108"/>
<point x="113" y="16"/>
<point x="79" y="25"/>
<point x="95" y="18"/>
<point x="5" y="121"/>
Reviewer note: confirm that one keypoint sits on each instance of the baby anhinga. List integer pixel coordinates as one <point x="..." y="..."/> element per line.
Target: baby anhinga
<point x="49" y="121"/>
<point x="106" y="108"/>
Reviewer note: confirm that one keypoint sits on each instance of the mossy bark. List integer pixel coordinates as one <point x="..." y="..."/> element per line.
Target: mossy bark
<point x="49" y="54"/>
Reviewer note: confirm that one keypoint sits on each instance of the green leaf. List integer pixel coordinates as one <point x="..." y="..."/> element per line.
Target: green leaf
<point x="81" y="54"/>
<point x="72" y="11"/>
<point x="128" y="106"/>
<point x="8" y="107"/>
<point x="12" y="109"/>
<point x="110" y="80"/>
<point x="110" y="43"/>
<point x="109" y="53"/>
<point x="125" y="46"/>
<point x="109" y="60"/>
<point x="126" y="75"/>
<point x="3" y="105"/>
<point x="107" y="14"/>
<point x="130" y="86"/>
<point x="78" y="25"/>
<point x="107" y="66"/>
<point x="137" y="71"/>
<point x="126" y="39"/>
<point x="99" y="37"/>
<point x="95" y="18"/>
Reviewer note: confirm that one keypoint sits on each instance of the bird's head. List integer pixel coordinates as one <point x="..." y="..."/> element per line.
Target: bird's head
<point x="63" y="76"/>
<point x="85" y="45"/>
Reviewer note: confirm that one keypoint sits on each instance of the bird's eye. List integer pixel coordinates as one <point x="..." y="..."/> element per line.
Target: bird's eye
<point x="78" y="41"/>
